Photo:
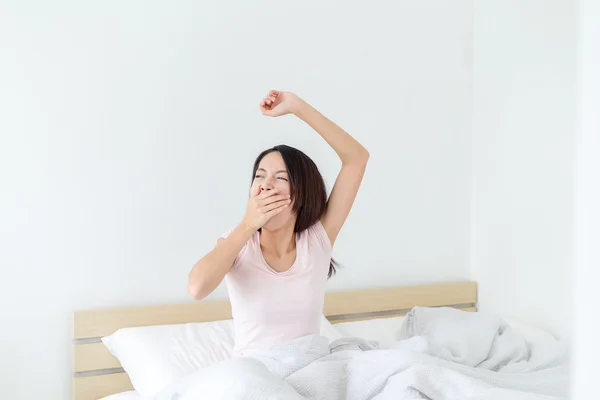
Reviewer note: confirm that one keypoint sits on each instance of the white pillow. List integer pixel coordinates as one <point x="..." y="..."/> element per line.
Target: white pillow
<point x="530" y="332"/>
<point x="130" y="395"/>
<point x="384" y="330"/>
<point x="329" y="331"/>
<point x="387" y="330"/>
<point x="155" y="356"/>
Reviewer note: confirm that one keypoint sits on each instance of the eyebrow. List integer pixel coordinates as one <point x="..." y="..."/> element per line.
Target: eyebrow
<point x="278" y="172"/>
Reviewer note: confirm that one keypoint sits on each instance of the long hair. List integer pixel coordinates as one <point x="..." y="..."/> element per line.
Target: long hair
<point x="307" y="189"/>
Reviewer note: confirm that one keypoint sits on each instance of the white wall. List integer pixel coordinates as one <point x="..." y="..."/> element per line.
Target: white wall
<point x="128" y="130"/>
<point x="587" y="194"/>
<point x="524" y="105"/>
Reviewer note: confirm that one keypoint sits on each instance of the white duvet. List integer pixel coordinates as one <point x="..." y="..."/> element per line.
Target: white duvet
<point x="443" y="354"/>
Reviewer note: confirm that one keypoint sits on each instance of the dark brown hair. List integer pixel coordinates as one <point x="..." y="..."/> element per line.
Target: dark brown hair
<point x="307" y="189"/>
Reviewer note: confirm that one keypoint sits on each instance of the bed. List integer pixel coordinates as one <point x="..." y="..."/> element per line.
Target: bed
<point x="97" y="374"/>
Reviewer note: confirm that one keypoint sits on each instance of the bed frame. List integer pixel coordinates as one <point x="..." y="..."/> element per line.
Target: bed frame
<point x="96" y="373"/>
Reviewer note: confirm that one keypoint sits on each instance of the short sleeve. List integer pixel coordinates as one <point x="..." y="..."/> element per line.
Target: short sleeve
<point x="240" y="254"/>
<point x="318" y="235"/>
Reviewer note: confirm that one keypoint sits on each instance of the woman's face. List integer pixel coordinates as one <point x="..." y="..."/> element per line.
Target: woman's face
<point x="272" y="174"/>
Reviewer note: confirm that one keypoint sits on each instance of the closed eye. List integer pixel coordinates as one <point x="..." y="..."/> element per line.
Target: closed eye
<point x="282" y="178"/>
<point x="257" y="176"/>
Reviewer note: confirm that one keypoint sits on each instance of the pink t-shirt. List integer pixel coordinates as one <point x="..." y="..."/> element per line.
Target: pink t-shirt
<point x="271" y="307"/>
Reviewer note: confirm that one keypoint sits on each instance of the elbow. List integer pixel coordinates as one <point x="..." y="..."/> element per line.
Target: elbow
<point x="359" y="159"/>
<point x="197" y="289"/>
<point x="365" y="155"/>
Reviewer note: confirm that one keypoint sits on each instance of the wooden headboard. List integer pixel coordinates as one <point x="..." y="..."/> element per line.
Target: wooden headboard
<point x="96" y="373"/>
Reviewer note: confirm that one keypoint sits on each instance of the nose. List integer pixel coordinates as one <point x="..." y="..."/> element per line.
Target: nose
<point x="265" y="187"/>
<point x="268" y="182"/>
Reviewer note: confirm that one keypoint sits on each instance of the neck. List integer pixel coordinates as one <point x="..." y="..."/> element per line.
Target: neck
<point x="280" y="241"/>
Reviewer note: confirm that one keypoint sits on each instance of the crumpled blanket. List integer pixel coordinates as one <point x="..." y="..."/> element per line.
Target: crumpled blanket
<point x="442" y="354"/>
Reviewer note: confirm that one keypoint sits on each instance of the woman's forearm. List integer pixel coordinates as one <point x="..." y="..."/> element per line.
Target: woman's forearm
<point x="347" y="148"/>
<point x="209" y="272"/>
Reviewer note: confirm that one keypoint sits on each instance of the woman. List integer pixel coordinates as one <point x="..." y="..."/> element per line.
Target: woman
<point x="277" y="260"/>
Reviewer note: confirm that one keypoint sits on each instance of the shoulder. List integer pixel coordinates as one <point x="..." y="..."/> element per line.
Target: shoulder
<point x="317" y="236"/>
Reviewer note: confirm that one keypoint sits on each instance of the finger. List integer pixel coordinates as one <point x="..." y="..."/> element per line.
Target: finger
<point x="273" y="93"/>
<point x="268" y="193"/>
<point x="267" y="109"/>
<point x="273" y="206"/>
<point x="273" y="199"/>
<point x="276" y="211"/>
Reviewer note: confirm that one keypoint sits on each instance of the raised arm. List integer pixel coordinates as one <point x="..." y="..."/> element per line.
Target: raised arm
<point x="353" y="155"/>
